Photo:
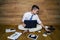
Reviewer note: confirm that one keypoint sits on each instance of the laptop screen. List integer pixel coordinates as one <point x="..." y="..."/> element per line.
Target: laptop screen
<point x="30" y="23"/>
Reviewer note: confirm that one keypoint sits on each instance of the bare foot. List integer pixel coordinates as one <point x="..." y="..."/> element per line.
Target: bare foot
<point x="25" y="31"/>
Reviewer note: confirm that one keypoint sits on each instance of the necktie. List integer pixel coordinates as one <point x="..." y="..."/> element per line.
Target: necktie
<point x="31" y="17"/>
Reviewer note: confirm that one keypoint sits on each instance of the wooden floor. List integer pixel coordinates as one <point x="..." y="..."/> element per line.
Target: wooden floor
<point x="54" y="36"/>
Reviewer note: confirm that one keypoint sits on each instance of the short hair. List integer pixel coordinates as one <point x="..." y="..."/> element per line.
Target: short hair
<point x="34" y="6"/>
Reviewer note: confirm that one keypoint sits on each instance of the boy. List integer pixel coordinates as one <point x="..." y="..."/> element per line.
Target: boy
<point x="32" y="15"/>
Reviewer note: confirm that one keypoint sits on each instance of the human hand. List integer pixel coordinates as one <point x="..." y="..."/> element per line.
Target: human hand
<point x="24" y="25"/>
<point x="46" y="28"/>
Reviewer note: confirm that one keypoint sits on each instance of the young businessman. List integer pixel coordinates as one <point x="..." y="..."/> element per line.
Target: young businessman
<point x="27" y="16"/>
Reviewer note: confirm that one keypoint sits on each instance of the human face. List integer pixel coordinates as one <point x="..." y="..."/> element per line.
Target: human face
<point x="35" y="11"/>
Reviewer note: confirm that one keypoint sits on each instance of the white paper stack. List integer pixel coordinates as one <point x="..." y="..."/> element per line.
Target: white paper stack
<point x="15" y="35"/>
<point x="10" y="30"/>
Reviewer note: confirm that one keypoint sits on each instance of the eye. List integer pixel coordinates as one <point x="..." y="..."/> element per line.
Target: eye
<point x="37" y="11"/>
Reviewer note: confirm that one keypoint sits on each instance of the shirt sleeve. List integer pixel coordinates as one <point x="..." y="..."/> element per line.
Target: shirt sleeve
<point x="38" y="20"/>
<point x="24" y="16"/>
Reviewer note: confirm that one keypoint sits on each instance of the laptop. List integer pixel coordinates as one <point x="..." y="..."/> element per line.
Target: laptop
<point x="30" y="23"/>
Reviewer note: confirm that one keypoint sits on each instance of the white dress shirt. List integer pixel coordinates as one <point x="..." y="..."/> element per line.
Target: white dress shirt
<point x="28" y="15"/>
